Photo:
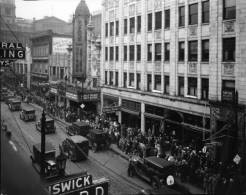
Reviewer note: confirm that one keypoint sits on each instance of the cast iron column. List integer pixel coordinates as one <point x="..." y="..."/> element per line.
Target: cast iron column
<point x="42" y="163"/>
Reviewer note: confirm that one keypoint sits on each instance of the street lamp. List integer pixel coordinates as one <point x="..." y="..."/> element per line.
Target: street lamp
<point x="61" y="163"/>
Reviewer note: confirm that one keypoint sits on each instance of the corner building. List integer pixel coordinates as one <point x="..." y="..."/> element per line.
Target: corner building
<point x="175" y="65"/>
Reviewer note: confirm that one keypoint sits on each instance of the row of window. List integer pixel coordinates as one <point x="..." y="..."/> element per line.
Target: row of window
<point x="229" y="12"/>
<point x="228" y="51"/>
<point x="191" y="83"/>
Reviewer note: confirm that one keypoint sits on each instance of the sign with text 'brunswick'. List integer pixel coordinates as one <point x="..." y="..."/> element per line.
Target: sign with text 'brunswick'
<point x="12" y="51"/>
<point x="79" y="185"/>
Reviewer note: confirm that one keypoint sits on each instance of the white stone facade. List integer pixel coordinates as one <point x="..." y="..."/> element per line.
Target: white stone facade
<point x="215" y="69"/>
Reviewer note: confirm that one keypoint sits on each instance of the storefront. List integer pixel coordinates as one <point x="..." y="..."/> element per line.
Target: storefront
<point x="131" y="113"/>
<point x="111" y="107"/>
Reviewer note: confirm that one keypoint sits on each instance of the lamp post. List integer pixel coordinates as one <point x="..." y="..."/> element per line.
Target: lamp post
<point x="42" y="168"/>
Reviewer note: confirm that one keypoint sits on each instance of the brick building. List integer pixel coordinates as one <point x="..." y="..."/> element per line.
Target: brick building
<point x="174" y="65"/>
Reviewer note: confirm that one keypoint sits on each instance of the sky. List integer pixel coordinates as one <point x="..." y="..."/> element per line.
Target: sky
<point x="62" y="9"/>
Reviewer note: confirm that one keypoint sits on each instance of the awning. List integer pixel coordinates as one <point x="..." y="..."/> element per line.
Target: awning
<point x="153" y="116"/>
<point x="130" y="111"/>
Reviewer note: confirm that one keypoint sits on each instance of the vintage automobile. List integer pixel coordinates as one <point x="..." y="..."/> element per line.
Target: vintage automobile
<point x="152" y="169"/>
<point x="50" y="157"/>
<point x="8" y="97"/>
<point x="14" y="104"/>
<point x="49" y="126"/>
<point x="76" y="147"/>
<point x="98" y="139"/>
<point x="78" y="128"/>
<point x="28" y="114"/>
<point x="3" y="95"/>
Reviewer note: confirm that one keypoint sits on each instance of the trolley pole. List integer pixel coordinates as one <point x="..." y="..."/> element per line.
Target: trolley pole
<point x="42" y="163"/>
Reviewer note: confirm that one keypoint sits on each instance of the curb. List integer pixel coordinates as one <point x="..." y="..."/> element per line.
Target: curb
<point x="118" y="153"/>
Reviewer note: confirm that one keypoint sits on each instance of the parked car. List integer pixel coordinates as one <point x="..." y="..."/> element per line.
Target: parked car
<point x="152" y="169"/>
<point x="14" y="104"/>
<point x="8" y="97"/>
<point x="98" y="139"/>
<point x="78" y="128"/>
<point x="28" y="114"/>
<point x="76" y="147"/>
<point x="49" y="126"/>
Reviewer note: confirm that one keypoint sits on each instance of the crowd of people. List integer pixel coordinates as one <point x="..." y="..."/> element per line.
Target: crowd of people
<point x="194" y="164"/>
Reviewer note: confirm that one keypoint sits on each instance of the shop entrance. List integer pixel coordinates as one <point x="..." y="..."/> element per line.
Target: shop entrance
<point x="131" y="120"/>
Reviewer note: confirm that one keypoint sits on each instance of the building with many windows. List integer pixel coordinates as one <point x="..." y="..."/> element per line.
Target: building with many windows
<point x="175" y="65"/>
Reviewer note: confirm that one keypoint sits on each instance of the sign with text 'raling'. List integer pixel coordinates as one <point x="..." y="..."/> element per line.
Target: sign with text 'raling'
<point x="12" y="51"/>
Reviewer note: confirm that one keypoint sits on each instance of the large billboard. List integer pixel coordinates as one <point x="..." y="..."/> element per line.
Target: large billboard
<point x="60" y="44"/>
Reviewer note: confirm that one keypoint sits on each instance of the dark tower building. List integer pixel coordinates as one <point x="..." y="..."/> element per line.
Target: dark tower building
<point x="80" y="22"/>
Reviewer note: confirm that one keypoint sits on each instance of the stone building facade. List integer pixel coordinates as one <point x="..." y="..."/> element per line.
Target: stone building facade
<point x="168" y="64"/>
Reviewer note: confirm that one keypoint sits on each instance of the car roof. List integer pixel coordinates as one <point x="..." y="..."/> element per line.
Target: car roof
<point x="48" y="147"/>
<point x="78" y="138"/>
<point x="81" y="123"/>
<point x="14" y="100"/>
<point x="160" y="162"/>
<point x="28" y="108"/>
<point x="162" y="190"/>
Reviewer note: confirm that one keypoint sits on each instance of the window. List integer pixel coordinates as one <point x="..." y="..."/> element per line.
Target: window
<point x="150" y="22"/>
<point x="125" y="80"/>
<point x="149" y="55"/>
<point x="149" y="82"/>
<point x="117" y="28"/>
<point x="138" y="81"/>
<point x="61" y="73"/>
<point x="106" y="77"/>
<point x="111" y="28"/>
<point x="106" y="30"/>
<point x="111" y="54"/>
<point x="167" y="18"/>
<point x="158" y="52"/>
<point x="132" y="25"/>
<point x="193" y="14"/>
<point x="106" y="53"/>
<point x="117" y="53"/>
<point x="167" y="51"/>
<point x="229" y="46"/>
<point x="229" y="9"/>
<point x="94" y="82"/>
<point x="205" y="12"/>
<point x="132" y="52"/>
<point x="138" y="52"/>
<point x="131" y="79"/>
<point x="181" y="86"/>
<point x="125" y="26"/>
<point x="111" y="78"/>
<point x="192" y="50"/>
<point x="157" y="85"/>
<point x="181" y="16"/>
<point x="139" y="24"/>
<point x="125" y="53"/>
<point x="192" y="86"/>
<point x="166" y="84"/>
<point x="228" y="90"/>
<point x="116" y="79"/>
<point x="205" y="50"/>
<point x="181" y="51"/>
<point x="54" y="70"/>
<point x="158" y="20"/>
<point x="205" y="88"/>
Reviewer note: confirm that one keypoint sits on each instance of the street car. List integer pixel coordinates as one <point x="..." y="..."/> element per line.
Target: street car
<point x="76" y="147"/>
<point x="78" y="128"/>
<point x="49" y="126"/>
<point x="152" y="169"/>
<point x="28" y="114"/>
<point x="14" y="104"/>
<point x="98" y="139"/>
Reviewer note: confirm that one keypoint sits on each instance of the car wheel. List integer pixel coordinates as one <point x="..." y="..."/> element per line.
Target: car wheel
<point x="155" y="183"/>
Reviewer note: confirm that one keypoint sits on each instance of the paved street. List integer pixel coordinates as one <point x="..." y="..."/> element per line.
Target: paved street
<point x="101" y="164"/>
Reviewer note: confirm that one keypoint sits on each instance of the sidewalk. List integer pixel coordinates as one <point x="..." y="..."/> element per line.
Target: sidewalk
<point x="114" y="148"/>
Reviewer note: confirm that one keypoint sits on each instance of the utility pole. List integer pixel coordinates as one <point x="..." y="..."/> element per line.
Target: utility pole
<point x="42" y="163"/>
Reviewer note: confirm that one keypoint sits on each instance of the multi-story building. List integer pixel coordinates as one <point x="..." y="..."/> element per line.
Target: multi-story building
<point x="50" y="58"/>
<point x="174" y="65"/>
